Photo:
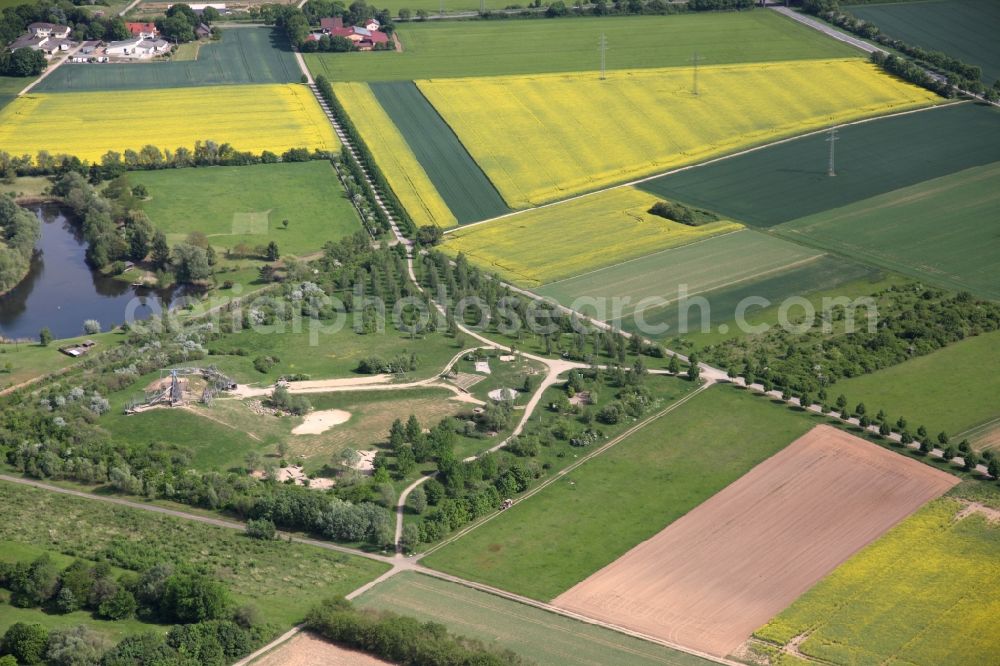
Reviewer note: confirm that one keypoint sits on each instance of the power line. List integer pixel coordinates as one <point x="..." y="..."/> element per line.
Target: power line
<point x="603" y="47"/>
<point x="696" y="59"/>
<point x="831" y="139"/>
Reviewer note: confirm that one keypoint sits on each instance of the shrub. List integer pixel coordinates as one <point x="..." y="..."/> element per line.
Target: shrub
<point x="261" y="529"/>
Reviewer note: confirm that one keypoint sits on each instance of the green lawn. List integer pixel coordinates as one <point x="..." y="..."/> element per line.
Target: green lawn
<point x="952" y="389"/>
<point x="333" y="355"/>
<point x="964" y="29"/>
<point x="916" y="596"/>
<point x="941" y="230"/>
<point x="583" y="522"/>
<point x="112" y="631"/>
<point x="543" y="637"/>
<point x="282" y="579"/>
<point x="458" y="179"/>
<point x="248" y="204"/>
<point x="491" y="48"/>
<point x="789" y="180"/>
<point x="244" y="55"/>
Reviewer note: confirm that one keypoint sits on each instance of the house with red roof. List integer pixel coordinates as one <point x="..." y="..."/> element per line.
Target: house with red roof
<point x="142" y="30"/>
<point x="365" y="38"/>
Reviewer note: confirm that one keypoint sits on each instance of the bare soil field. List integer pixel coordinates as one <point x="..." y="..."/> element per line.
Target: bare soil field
<point x="713" y="576"/>
<point x="304" y="649"/>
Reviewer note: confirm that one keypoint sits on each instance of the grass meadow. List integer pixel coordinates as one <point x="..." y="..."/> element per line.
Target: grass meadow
<point x="248" y="204"/>
<point x="964" y="29"/>
<point x="519" y="132"/>
<point x="400" y="166"/>
<point x="463" y="186"/>
<point x="567" y="239"/>
<point x="549" y="542"/>
<point x="244" y="55"/>
<point x="941" y="230"/>
<point x="717" y="263"/>
<point x="916" y="596"/>
<point x="543" y="637"/>
<point x="87" y="125"/>
<point x="282" y="579"/>
<point x="952" y="389"/>
<point x="789" y="181"/>
<point x="438" y="49"/>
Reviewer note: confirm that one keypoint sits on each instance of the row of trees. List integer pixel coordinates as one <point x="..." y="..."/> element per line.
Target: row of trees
<point x="19" y="231"/>
<point x="149" y="158"/>
<point x="400" y="639"/>
<point x="957" y="74"/>
<point x="912" y="321"/>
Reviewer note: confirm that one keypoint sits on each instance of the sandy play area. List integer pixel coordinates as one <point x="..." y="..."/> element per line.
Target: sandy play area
<point x="315" y="423"/>
<point x="711" y="578"/>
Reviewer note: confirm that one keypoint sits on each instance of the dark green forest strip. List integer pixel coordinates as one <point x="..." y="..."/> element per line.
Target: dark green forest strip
<point x="964" y="29"/>
<point x="245" y="55"/>
<point x="767" y="187"/>
<point x="462" y="184"/>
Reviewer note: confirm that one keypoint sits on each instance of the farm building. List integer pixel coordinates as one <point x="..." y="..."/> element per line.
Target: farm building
<point x="142" y="30"/>
<point x="365" y="38"/>
<point x="137" y="47"/>
<point x="46" y="37"/>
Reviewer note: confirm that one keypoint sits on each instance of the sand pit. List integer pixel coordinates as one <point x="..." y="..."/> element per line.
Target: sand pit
<point x="718" y="573"/>
<point x="315" y="423"/>
<point x="502" y="394"/>
<point x="483" y="367"/>
<point x="305" y="649"/>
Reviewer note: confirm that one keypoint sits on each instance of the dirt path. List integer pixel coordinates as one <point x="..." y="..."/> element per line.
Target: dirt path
<point x="53" y="66"/>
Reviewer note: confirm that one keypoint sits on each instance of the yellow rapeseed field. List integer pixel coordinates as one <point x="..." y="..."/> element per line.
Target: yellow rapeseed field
<point x="250" y="118"/>
<point x="406" y="177"/>
<point x="538" y="246"/>
<point x="546" y="137"/>
<point x="921" y="595"/>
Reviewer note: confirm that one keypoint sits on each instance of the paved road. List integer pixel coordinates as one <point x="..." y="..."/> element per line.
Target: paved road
<point x="827" y="29"/>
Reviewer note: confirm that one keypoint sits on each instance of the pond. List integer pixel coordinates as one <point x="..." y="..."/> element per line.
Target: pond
<point x="61" y="291"/>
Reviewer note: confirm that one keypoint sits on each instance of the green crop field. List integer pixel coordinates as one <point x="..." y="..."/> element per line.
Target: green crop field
<point x="735" y="261"/>
<point x="249" y="204"/>
<point x="275" y="576"/>
<point x="787" y="181"/>
<point x="941" y="230"/>
<point x="245" y="55"/>
<point x="952" y="389"/>
<point x="491" y="48"/>
<point x="916" y="596"/>
<point x="546" y="544"/>
<point x="458" y="179"/>
<point x="964" y="29"/>
<point x="533" y="633"/>
<point x="823" y="275"/>
<point x="10" y="86"/>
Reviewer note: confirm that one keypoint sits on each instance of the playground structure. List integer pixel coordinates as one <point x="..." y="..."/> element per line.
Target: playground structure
<point x="175" y="389"/>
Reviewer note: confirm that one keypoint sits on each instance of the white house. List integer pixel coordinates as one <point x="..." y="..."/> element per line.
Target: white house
<point x="49" y="30"/>
<point x="137" y="47"/>
<point x="46" y="37"/>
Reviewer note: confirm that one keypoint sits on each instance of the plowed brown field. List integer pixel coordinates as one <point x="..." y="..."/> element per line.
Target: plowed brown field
<point x="721" y="571"/>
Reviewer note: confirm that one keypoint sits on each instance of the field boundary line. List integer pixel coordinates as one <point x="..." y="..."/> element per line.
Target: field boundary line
<point x="569" y="468"/>
<point x="272" y="646"/>
<point x="555" y="610"/>
<point x="745" y="151"/>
